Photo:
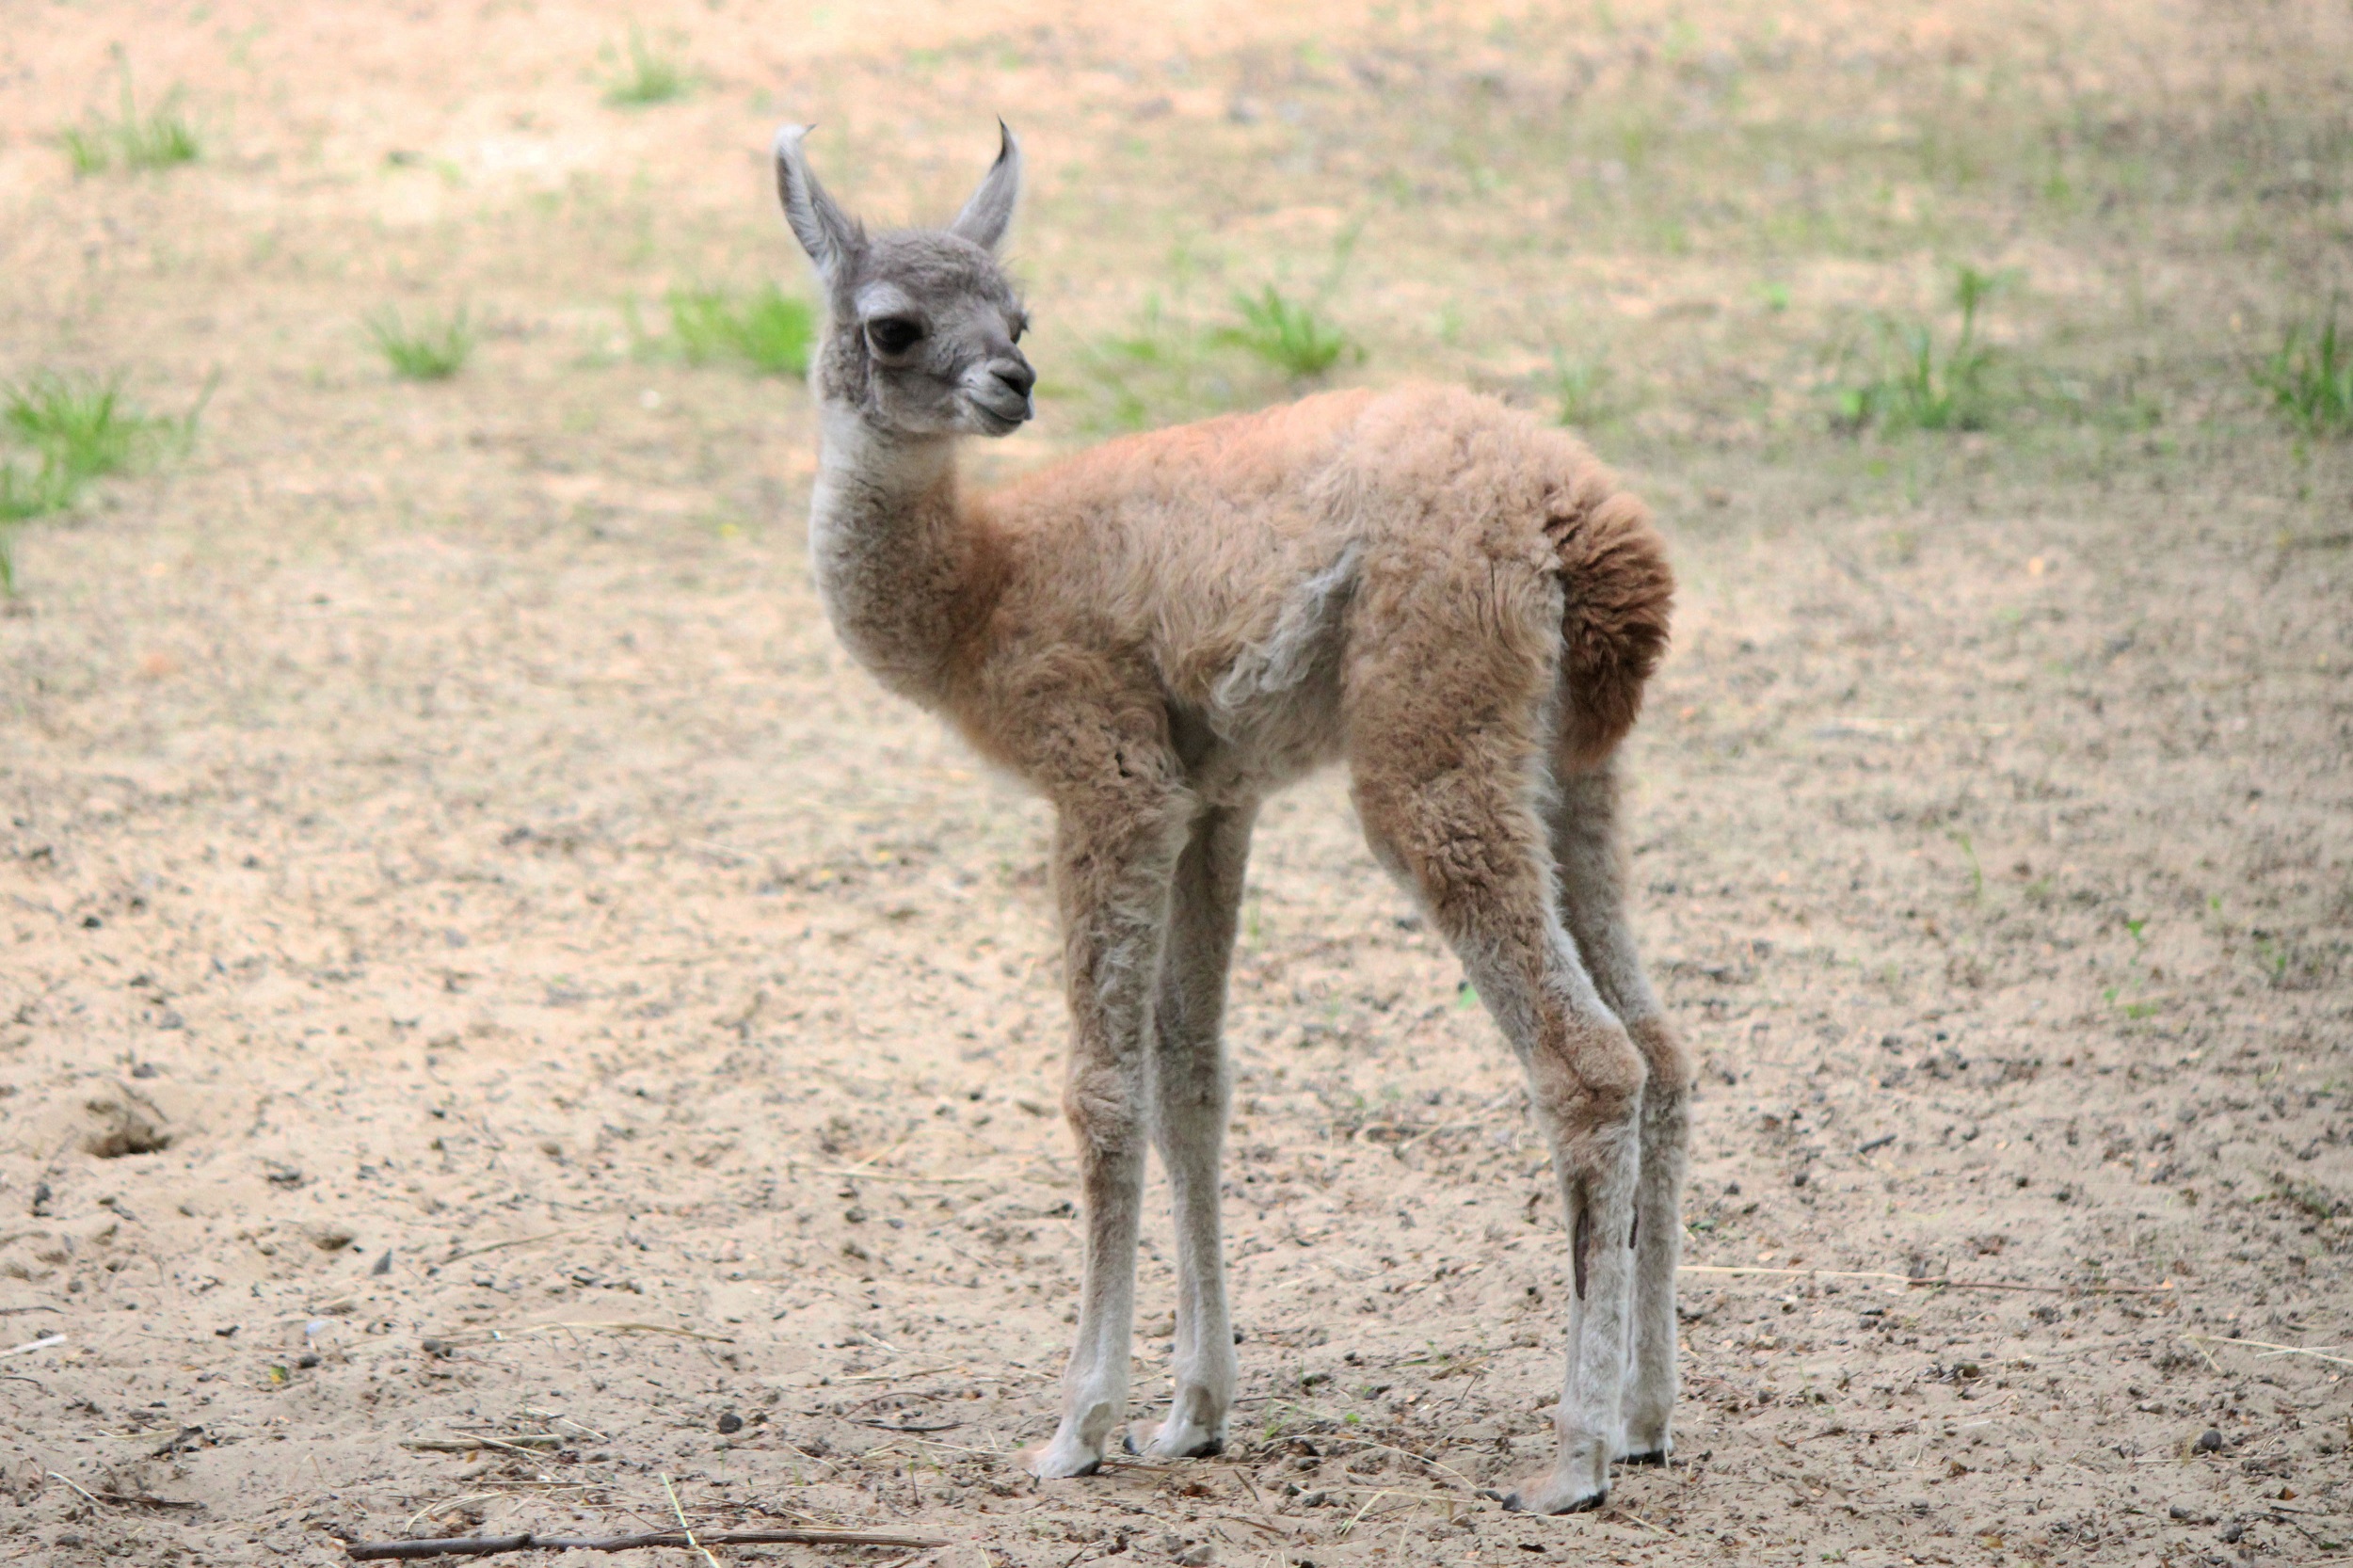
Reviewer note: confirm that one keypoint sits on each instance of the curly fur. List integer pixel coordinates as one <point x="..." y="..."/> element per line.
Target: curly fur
<point x="1451" y="599"/>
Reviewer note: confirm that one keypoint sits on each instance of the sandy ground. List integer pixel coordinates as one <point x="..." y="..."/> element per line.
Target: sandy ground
<point x="480" y="961"/>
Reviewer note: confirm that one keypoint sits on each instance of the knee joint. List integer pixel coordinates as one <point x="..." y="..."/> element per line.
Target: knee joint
<point x="1103" y="1107"/>
<point x="1666" y="1061"/>
<point x="1587" y="1073"/>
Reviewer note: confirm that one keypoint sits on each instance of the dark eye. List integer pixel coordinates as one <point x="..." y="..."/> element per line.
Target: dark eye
<point x="894" y="335"/>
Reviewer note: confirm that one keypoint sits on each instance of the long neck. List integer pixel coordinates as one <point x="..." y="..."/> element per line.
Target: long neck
<point x="897" y="560"/>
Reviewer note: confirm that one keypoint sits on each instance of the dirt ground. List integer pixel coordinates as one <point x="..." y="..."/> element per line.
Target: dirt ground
<point x="481" y="963"/>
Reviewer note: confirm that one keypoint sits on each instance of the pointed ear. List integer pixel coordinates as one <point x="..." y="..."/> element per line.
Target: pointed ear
<point x="989" y="213"/>
<point x="830" y="235"/>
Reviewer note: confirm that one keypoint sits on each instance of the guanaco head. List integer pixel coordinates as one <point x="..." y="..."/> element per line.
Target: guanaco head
<point x="924" y="321"/>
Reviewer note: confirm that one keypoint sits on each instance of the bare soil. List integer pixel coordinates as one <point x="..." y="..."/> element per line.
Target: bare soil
<point x="482" y="962"/>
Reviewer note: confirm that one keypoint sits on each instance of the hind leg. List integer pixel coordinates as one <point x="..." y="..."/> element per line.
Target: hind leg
<point x="1464" y="835"/>
<point x="1585" y="843"/>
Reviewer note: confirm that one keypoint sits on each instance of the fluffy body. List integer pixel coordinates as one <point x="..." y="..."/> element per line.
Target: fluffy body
<point x="1455" y="602"/>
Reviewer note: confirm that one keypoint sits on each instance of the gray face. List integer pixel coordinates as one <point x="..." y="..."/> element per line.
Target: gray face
<point x="924" y="339"/>
<point x="924" y="323"/>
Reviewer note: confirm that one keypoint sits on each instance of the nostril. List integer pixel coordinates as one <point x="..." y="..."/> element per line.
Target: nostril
<point x="1016" y="375"/>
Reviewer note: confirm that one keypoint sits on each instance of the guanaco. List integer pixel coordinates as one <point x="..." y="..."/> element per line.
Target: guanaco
<point x="1451" y="599"/>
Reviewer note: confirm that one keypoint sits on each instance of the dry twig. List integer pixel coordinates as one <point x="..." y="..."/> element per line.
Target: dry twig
<point x="1937" y="1282"/>
<point x="518" y="1241"/>
<point x="474" y="1443"/>
<point x="482" y="1335"/>
<point x="671" y="1491"/>
<point x="2274" y="1350"/>
<point x="853" y="1173"/>
<point x="490" y="1545"/>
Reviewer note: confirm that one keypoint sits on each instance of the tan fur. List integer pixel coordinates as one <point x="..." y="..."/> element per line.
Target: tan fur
<point x="1179" y="547"/>
<point x="1454" y="600"/>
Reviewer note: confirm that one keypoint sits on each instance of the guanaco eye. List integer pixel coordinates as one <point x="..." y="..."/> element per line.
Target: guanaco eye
<point x="894" y="335"/>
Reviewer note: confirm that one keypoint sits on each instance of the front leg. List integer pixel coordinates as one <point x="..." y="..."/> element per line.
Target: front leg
<point x="1190" y="1091"/>
<point x="1113" y="860"/>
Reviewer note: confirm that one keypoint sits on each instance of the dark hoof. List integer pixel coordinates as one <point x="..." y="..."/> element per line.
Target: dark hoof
<point x="1210" y="1450"/>
<point x="1128" y="1442"/>
<point x="1655" y="1456"/>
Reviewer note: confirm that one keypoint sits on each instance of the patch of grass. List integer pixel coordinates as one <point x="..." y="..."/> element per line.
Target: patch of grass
<point x="1976" y="871"/>
<point x="1155" y="371"/>
<point x="1292" y="335"/>
<point x="82" y="426"/>
<point x="1919" y="387"/>
<point x="648" y="77"/>
<point x="432" y="351"/>
<point x="1576" y="388"/>
<point x="26" y="494"/>
<point x="159" y="139"/>
<point x="2310" y="378"/>
<point x="768" y="330"/>
<point x="78" y="429"/>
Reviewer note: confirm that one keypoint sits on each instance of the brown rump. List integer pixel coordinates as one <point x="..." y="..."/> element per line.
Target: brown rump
<point x="1617" y="594"/>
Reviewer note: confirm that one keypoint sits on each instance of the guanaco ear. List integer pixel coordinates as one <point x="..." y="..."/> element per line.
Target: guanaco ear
<point x="830" y="235"/>
<point x="989" y="213"/>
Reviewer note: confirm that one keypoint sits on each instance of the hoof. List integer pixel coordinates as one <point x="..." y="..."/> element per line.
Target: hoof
<point x="1519" y="1502"/>
<point x="1649" y="1456"/>
<point x="1580" y="1481"/>
<point x="1056" y="1462"/>
<point x="1180" y="1446"/>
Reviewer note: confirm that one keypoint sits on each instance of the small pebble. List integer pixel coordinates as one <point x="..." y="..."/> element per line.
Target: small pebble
<point x="306" y="1360"/>
<point x="2210" y="1441"/>
<point x="731" y="1422"/>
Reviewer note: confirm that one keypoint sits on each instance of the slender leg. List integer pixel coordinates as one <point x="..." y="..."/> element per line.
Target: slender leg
<point x="1113" y="861"/>
<point x="1190" y="1091"/>
<point x="1586" y="847"/>
<point x="1463" y="833"/>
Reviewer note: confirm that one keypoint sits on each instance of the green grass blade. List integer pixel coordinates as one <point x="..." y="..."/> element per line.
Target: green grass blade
<point x="2311" y="378"/>
<point x="433" y="350"/>
<point x="140" y="142"/>
<point x="83" y="427"/>
<point x="768" y="331"/>
<point x="647" y="78"/>
<point x="1287" y="334"/>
